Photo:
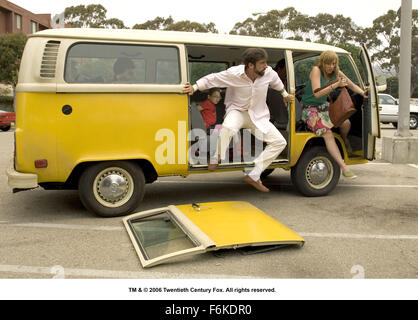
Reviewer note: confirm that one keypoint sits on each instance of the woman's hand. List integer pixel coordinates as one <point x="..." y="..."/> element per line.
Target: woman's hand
<point x="342" y="82"/>
<point x="366" y="92"/>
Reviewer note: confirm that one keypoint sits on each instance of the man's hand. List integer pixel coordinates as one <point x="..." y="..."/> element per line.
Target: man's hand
<point x="289" y="99"/>
<point x="188" y="88"/>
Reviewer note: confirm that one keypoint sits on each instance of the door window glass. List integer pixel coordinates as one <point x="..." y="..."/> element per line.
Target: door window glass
<point x="159" y="235"/>
<point x="347" y="68"/>
<point x="303" y="69"/>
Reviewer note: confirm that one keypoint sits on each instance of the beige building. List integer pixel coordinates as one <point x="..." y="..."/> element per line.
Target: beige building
<point x="14" y="19"/>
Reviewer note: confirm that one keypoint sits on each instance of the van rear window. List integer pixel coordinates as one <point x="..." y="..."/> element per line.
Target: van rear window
<point x="121" y="63"/>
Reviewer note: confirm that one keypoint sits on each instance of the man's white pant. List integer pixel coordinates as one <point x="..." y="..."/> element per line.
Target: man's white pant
<point x="236" y="120"/>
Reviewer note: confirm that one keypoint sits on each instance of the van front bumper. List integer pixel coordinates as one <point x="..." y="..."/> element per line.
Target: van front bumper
<point x="20" y="181"/>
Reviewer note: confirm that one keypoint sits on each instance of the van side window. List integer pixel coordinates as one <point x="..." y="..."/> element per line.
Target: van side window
<point x="121" y="63"/>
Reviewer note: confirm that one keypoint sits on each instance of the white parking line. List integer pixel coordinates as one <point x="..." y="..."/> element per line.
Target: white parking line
<point x="379" y="163"/>
<point x="61" y="226"/>
<point x="60" y="272"/>
<point x="303" y="234"/>
<point x="359" y="236"/>
<point x="289" y="184"/>
<point x="378" y="185"/>
<point x="413" y="165"/>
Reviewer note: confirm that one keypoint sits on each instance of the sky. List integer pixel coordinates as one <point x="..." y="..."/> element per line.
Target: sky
<point x="224" y="13"/>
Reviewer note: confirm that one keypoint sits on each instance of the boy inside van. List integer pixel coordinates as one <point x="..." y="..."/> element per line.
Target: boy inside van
<point x="208" y="108"/>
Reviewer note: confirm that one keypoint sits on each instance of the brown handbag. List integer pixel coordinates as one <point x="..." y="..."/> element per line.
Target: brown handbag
<point x="342" y="108"/>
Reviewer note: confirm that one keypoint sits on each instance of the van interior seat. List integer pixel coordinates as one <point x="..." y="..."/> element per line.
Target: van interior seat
<point x="279" y="115"/>
<point x="197" y="121"/>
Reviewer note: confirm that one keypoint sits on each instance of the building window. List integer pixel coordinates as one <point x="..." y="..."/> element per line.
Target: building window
<point x="33" y="27"/>
<point x="18" y="21"/>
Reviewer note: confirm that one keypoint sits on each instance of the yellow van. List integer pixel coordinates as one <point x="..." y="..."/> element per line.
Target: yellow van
<point x="82" y="124"/>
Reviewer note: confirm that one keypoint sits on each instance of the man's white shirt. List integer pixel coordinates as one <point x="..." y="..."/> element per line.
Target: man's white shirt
<point x="242" y="93"/>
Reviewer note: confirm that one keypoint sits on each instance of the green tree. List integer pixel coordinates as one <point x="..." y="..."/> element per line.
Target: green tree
<point x="190" y="26"/>
<point x="272" y="24"/>
<point x="160" y="23"/>
<point x="90" y="16"/>
<point x="414" y="68"/>
<point x="114" y="23"/>
<point x="291" y="24"/>
<point x="335" y="29"/>
<point x="384" y="38"/>
<point x="301" y="25"/>
<point x="392" y="87"/>
<point x="11" y="48"/>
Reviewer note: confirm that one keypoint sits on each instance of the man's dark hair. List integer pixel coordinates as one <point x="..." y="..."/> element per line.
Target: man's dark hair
<point x="123" y="64"/>
<point x="252" y="55"/>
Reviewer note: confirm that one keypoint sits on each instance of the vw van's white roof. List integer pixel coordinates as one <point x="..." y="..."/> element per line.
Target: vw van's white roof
<point x="183" y="37"/>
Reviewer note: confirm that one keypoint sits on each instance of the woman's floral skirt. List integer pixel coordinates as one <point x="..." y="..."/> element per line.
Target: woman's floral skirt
<point x="317" y="118"/>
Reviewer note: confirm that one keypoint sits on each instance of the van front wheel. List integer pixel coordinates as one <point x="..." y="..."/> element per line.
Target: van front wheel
<point x="316" y="173"/>
<point x="112" y="189"/>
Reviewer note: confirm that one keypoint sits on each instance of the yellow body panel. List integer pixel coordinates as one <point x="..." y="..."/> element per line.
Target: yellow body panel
<point x="237" y="223"/>
<point x="100" y="127"/>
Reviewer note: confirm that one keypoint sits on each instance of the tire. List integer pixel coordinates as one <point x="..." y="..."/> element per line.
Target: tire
<point x="395" y="124"/>
<point x="266" y="173"/>
<point x="413" y="121"/>
<point x="112" y="189"/>
<point x="5" y="128"/>
<point x="316" y="174"/>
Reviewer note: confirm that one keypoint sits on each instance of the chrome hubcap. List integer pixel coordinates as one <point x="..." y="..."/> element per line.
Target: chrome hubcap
<point x="412" y="122"/>
<point x="113" y="187"/>
<point x="319" y="172"/>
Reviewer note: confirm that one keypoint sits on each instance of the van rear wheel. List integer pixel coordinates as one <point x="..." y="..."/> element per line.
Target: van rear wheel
<point x="112" y="189"/>
<point x="316" y="173"/>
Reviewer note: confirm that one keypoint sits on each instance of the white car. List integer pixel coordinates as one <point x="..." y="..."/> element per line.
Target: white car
<point x="389" y="107"/>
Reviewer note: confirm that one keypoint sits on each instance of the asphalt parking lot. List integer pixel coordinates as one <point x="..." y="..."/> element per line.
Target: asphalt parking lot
<point x="366" y="228"/>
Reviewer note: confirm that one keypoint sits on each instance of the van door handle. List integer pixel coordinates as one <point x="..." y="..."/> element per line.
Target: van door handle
<point x="67" y="109"/>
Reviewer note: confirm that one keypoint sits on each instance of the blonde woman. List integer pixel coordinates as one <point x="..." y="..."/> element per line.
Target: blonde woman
<point x="315" y="105"/>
